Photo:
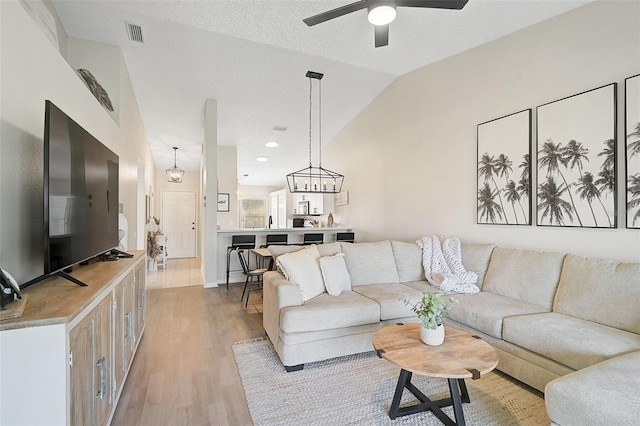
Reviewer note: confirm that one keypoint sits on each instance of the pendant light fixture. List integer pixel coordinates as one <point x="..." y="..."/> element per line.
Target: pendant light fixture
<point x="175" y="173"/>
<point x="315" y="179"/>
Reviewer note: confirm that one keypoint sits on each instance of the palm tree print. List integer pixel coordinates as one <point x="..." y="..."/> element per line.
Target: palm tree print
<point x="487" y="207"/>
<point x="633" y="141"/>
<point x="633" y="189"/>
<point x="587" y="190"/>
<point x="512" y="196"/>
<point x="577" y="149"/>
<point x="574" y="154"/>
<point x="609" y="154"/>
<point x="606" y="183"/>
<point x="551" y="202"/>
<point x="524" y="188"/>
<point x="633" y="181"/>
<point x="525" y="166"/>
<point x="486" y="170"/>
<point x="552" y="156"/>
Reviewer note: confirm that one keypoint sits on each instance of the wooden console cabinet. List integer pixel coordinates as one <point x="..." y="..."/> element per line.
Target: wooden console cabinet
<point x="65" y="361"/>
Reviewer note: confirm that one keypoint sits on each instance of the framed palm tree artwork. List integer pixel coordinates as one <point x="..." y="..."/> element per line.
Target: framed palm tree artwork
<point x="576" y="168"/>
<point x="632" y="149"/>
<point x="504" y="170"/>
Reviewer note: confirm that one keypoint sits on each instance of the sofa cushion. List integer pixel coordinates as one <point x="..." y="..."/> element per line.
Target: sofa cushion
<point x="328" y="312"/>
<point x="335" y="275"/>
<point x="408" y="258"/>
<point x="329" y="249"/>
<point x="599" y="290"/>
<point x="475" y="258"/>
<point x="277" y="251"/>
<point x="485" y="311"/>
<point x="422" y="286"/>
<point x="303" y="269"/>
<point x="526" y="275"/>
<point x="571" y="341"/>
<point x="388" y="297"/>
<point x="370" y="263"/>
<point x="605" y="393"/>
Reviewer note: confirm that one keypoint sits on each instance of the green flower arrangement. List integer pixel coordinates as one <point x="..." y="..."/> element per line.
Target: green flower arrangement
<point x="431" y="309"/>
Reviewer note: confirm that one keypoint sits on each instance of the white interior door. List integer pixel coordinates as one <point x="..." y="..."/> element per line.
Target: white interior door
<point x="179" y="222"/>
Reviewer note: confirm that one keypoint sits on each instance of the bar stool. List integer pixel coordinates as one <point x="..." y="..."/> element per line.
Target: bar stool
<point x="313" y="239"/>
<point x="250" y="274"/>
<point x="239" y="243"/>
<point x="346" y="237"/>
<point x="276" y="240"/>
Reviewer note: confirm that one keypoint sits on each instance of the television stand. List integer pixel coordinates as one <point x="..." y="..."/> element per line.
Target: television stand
<point x="70" y="278"/>
<point x="61" y="274"/>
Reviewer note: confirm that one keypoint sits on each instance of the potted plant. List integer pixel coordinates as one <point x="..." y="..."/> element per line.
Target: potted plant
<point x="153" y="248"/>
<point x="432" y="310"/>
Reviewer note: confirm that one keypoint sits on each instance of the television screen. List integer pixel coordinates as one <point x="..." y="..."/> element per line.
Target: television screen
<point x="80" y="193"/>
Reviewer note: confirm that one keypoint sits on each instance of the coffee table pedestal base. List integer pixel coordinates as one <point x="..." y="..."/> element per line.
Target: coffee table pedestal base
<point x="457" y="389"/>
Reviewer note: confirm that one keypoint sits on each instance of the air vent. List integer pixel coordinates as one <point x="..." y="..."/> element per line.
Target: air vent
<point x="134" y="32"/>
<point x="280" y="128"/>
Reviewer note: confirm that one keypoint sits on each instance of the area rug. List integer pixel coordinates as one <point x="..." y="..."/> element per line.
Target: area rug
<point x="358" y="389"/>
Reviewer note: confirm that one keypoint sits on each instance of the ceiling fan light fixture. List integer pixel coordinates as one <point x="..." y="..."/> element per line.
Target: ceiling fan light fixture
<point x="382" y="14"/>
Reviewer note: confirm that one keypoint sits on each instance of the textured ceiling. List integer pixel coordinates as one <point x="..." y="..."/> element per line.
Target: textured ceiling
<point x="252" y="57"/>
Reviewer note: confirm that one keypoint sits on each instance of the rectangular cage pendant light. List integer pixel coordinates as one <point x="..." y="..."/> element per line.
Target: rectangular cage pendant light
<point x="315" y="179"/>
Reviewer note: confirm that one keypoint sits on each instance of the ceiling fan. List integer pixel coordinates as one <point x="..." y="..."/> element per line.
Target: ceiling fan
<point x="382" y="12"/>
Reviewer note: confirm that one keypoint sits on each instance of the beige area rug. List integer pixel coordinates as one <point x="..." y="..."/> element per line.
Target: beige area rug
<point x="358" y="389"/>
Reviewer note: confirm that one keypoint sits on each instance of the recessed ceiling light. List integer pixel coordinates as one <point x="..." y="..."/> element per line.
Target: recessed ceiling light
<point x="262" y="159"/>
<point x="271" y="144"/>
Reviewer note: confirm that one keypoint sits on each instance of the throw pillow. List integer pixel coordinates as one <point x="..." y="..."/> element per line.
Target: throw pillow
<point x="335" y="274"/>
<point x="303" y="269"/>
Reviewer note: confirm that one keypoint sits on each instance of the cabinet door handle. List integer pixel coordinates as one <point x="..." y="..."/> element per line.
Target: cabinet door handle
<point x="101" y="364"/>
<point x="127" y="324"/>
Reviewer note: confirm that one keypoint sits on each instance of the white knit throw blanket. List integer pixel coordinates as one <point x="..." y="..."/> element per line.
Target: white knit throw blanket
<point x="442" y="262"/>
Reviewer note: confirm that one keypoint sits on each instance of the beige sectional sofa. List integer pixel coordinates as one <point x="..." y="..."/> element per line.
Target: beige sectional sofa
<point x="557" y="320"/>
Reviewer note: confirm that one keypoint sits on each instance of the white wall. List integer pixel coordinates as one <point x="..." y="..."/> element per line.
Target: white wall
<point x="33" y="70"/>
<point x="409" y="158"/>
<point x="103" y="61"/>
<point x="227" y="183"/>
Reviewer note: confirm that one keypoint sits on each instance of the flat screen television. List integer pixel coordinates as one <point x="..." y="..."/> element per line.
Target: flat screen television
<point x="80" y="193"/>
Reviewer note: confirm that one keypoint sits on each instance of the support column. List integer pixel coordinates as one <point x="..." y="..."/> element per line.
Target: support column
<point x="210" y="194"/>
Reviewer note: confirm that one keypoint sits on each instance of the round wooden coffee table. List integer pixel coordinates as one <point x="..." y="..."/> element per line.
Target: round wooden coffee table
<point x="461" y="356"/>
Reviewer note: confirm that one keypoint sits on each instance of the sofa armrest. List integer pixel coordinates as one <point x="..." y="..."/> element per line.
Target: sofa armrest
<point x="278" y="293"/>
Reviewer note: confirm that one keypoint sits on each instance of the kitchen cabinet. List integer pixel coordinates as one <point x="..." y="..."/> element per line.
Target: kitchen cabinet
<point x="316" y="203"/>
<point x="68" y="355"/>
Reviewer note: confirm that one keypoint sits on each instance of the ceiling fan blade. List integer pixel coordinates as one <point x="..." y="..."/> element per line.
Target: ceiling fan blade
<point x="382" y="35"/>
<point x="434" y="4"/>
<point x="335" y="13"/>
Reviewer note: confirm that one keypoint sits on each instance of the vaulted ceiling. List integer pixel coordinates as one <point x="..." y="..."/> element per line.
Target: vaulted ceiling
<point x="252" y="56"/>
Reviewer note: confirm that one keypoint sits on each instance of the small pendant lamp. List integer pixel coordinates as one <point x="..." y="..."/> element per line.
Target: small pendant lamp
<point x="175" y="173"/>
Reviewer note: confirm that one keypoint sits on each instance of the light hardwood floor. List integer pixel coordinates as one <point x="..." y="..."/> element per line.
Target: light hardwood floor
<point x="178" y="273"/>
<point x="184" y="372"/>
